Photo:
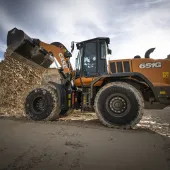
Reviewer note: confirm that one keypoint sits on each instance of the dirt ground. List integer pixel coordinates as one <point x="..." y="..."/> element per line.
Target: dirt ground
<point x="80" y="142"/>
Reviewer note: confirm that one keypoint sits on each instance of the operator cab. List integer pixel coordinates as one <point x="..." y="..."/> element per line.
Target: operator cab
<point x="91" y="59"/>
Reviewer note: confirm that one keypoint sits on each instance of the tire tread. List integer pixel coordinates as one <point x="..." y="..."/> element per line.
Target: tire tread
<point x="127" y="87"/>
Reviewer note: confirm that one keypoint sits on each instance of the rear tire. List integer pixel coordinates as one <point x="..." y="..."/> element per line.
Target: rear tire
<point x="42" y="103"/>
<point x="119" y="105"/>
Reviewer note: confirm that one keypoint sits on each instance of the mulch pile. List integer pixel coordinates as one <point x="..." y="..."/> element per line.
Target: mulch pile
<point x="16" y="78"/>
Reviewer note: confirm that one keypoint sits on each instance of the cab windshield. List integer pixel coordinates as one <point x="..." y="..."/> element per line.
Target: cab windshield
<point x="90" y="59"/>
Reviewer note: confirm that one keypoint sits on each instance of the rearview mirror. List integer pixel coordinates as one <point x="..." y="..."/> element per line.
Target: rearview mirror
<point x="72" y="46"/>
<point x="109" y="51"/>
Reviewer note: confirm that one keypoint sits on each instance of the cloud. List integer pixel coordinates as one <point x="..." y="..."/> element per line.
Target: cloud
<point x="133" y="25"/>
<point x="146" y="29"/>
<point x="2" y="47"/>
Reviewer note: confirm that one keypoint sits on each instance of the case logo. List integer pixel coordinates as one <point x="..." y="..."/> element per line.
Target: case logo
<point x="64" y="64"/>
<point x="151" y="65"/>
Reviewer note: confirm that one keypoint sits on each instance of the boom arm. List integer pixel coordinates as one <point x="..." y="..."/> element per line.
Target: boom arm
<point x="37" y="51"/>
<point x="61" y="54"/>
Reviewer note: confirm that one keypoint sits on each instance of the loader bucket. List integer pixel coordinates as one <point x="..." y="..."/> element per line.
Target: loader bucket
<point x="20" y="43"/>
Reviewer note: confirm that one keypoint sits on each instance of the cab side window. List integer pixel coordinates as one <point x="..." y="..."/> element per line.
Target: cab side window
<point x="103" y="50"/>
<point x="78" y="63"/>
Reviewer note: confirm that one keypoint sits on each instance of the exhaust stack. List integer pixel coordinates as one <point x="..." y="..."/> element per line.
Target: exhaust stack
<point x="148" y="52"/>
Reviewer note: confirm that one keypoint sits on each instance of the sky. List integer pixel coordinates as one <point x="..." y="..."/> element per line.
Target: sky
<point x="133" y="26"/>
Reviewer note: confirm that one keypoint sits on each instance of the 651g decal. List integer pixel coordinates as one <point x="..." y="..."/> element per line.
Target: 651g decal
<point x="151" y="65"/>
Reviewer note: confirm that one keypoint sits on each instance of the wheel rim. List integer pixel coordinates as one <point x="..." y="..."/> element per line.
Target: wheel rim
<point x="118" y="105"/>
<point x="39" y="104"/>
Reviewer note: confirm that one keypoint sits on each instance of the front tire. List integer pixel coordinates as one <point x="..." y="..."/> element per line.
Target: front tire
<point x="42" y="103"/>
<point x="119" y="105"/>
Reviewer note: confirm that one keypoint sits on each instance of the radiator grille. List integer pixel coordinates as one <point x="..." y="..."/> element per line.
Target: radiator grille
<point x="113" y="67"/>
<point x="126" y="66"/>
<point x="120" y="67"/>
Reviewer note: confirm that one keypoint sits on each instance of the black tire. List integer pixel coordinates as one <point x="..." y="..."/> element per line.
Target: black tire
<point x="63" y="112"/>
<point x="42" y="103"/>
<point x="119" y="105"/>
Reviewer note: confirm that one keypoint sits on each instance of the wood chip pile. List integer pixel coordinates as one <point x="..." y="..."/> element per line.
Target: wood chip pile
<point x="16" y="78"/>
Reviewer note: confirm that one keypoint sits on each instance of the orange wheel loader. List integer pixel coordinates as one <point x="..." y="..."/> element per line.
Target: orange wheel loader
<point x="117" y="90"/>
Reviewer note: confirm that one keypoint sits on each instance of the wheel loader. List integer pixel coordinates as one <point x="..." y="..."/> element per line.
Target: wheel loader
<point x="118" y="91"/>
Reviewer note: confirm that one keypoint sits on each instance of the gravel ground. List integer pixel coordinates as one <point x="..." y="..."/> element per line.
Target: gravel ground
<point x="155" y="120"/>
<point x="79" y="141"/>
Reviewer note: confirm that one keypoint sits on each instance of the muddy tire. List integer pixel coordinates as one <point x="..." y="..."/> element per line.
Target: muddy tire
<point x="42" y="103"/>
<point x="119" y="105"/>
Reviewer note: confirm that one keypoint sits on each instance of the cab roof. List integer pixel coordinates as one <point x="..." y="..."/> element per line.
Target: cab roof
<point x="107" y="39"/>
